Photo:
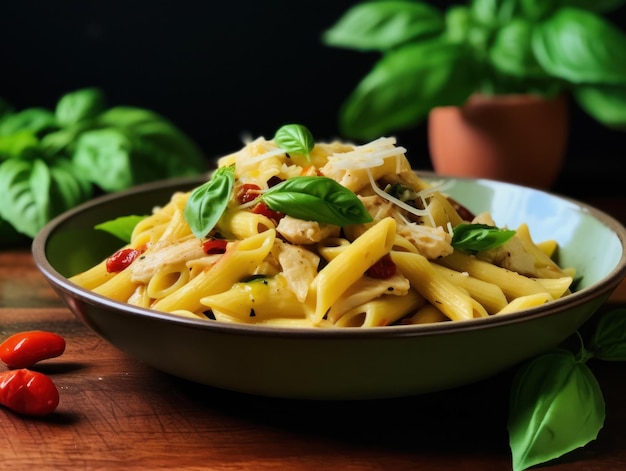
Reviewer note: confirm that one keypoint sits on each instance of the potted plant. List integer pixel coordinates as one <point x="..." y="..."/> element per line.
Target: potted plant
<point x="486" y="69"/>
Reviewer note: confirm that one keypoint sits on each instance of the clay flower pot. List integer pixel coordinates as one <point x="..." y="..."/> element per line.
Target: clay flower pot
<point x="514" y="138"/>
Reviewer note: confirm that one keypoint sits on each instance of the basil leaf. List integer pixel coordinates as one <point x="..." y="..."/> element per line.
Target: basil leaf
<point x="600" y="6"/>
<point x="13" y="145"/>
<point x="79" y="105"/>
<point x="319" y="199"/>
<point x="36" y="120"/>
<point x="384" y="25"/>
<point x="67" y="187"/>
<point x="103" y="156"/>
<point x="25" y="189"/>
<point x="581" y="47"/>
<point x="207" y="203"/>
<point x="511" y="52"/>
<point x="607" y="104"/>
<point x="556" y="406"/>
<point x="479" y="237"/>
<point x="295" y="138"/>
<point x="405" y="85"/>
<point x="608" y="341"/>
<point x="121" y="227"/>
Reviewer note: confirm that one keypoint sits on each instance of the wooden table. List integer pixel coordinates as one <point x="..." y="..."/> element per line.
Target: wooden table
<point x="118" y="413"/>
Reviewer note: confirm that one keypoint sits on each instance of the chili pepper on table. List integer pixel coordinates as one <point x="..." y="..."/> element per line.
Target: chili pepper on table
<point x="28" y="392"/>
<point x="24" y="349"/>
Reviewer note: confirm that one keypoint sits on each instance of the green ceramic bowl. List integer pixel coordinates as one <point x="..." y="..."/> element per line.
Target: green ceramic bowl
<point x="350" y="363"/>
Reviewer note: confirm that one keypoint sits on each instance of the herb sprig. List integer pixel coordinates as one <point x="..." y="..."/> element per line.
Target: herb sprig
<point x="52" y="160"/>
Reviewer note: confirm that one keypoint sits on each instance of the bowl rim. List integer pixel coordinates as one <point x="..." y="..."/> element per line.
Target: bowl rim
<point x="575" y="299"/>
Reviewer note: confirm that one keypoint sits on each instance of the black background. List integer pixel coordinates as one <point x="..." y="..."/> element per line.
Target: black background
<point x="223" y="70"/>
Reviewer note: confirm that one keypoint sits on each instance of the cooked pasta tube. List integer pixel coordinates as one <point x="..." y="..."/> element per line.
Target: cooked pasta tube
<point x="350" y="265"/>
<point x="240" y="260"/>
<point x="488" y="294"/>
<point x="525" y="302"/>
<point x="512" y="284"/>
<point x="256" y="300"/>
<point x="384" y="310"/>
<point x="453" y="301"/>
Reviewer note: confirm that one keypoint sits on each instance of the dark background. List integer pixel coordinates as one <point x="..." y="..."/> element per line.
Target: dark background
<point x="221" y="70"/>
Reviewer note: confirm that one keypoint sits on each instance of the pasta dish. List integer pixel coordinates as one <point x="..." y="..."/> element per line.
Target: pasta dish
<point x="292" y="232"/>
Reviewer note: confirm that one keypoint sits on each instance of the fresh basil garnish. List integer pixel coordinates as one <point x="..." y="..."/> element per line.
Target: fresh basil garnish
<point x="320" y="199"/>
<point x="479" y="237"/>
<point x="207" y="203"/>
<point x="121" y="227"/>
<point x="295" y="139"/>
<point x="556" y="407"/>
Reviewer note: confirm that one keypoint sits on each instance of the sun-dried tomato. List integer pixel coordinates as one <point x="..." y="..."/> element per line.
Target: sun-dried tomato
<point x="121" y="259"/>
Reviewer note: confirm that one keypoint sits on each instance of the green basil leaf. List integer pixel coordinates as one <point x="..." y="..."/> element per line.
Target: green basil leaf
<point x="405" y="85"/>
<point x="295" y="139"/>
<point x="479" y="237"/>
<point x="68" y="188"/>
<point x="384" y="25"/>
<point x="103" y="156"/>
<point x="605" y="103"/>
<point x="581" y="47"/>
<point x="207" y="203"/>
<point x="319" y="199"/>
<point x="511" y="52"/>
<point x="14" y="145"/>
<point x="35" y="120"/>
<point x="493" y="13"/>
<point x="25" y="189"/>
<point x="608" y="341"/>
<point x="79" y="105"/>
<point x="121" y="227"/>
<point x="167" y="151"/>
<point x="556" y="406"/>
<point x="458" y="23"/>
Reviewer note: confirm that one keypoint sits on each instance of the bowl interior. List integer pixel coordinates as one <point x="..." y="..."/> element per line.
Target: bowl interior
<point x="343" y="363"/>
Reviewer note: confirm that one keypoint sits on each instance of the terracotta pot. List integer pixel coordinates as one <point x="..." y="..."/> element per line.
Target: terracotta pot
<point x="514" y="138"/>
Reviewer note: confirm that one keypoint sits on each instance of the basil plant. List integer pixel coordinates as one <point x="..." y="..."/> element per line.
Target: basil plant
<point x="430" y="58"/>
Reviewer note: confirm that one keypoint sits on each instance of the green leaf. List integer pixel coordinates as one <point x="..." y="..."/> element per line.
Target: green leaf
<point x="493" y="12"/>
<point x="581" y="47"/>
<point x="405" y="85"/>
<point x="68" y="188"/>
<point x="207" y="203"/>
<point x="35" y="120"/>
<point x="458" y="23"/>
<point x="511" y="52"/>
<point x="25" y="189"/>
<point x="604" y="103"/>
<point x="536" y="10"/>
<point x="121" y="227"/>
<point x="319" y="199"/>
<point x="14" y="145"/>
<point x="79" y="105"/>
<point x="556" y="407"/>
<point x="608" y="341"/>
<point x="295" y="139"/>
<point x="384" y="25"/>
<point x="479" y="237"/>
<point x="103" y="156"/>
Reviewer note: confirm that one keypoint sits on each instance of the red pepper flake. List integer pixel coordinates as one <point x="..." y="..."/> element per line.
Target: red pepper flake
<point x="214" y="246"/>
<point x="121" y="259"/>
<point x="384" y="268"/>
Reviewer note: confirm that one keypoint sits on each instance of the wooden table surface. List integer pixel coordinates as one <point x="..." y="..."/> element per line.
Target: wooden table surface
<point x="118" y="413"/>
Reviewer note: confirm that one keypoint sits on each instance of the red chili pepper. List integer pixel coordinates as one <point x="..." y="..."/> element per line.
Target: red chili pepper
<point x="384" y="268"/>
<point x="121" y="259"/>
<point x="263" y="209"/>
<point x="213" y="246"/>
<point x="27" y="348"/>
<point x="248" y="192"/>
<point x="28" y="392"/>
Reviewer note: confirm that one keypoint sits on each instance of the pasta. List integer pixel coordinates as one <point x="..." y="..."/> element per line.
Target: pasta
<point x="333" y="236"/>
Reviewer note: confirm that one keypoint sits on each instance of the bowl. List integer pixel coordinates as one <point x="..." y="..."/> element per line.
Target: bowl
<point x="342" y="363"/>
